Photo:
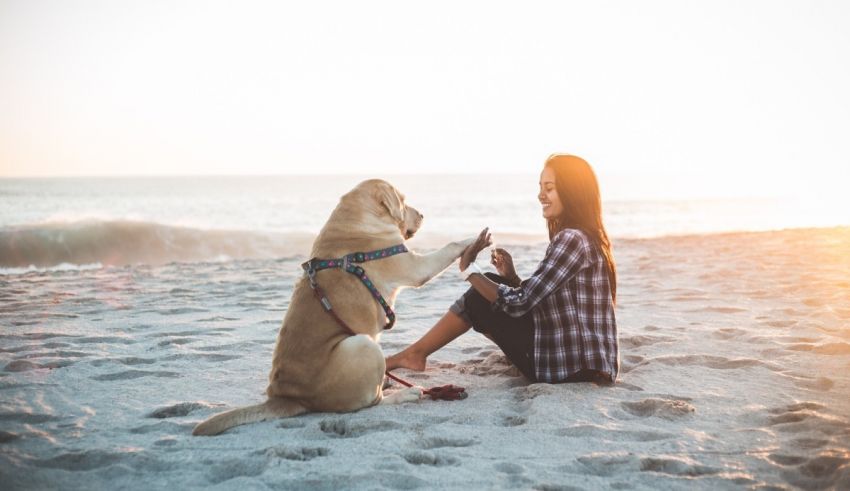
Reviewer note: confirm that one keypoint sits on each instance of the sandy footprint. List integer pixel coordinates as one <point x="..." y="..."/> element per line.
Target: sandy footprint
<point x="430" y="458"/>
<point x="676" y="467"/>
<point x="294" y="453"/>
<point x="729" y="333"/>
<point x="26" y="366"/>
<point x="512" y="420"/>
<point x="612" y="434"/>
<point x="609" y="464"/>
<point x="441" y="442"/>
<point x="711" y="361"/>
<point x="662" y="408"/>
<point x="641" y="340"/>
<point x="829" y="469"/>
<point x="344" y="429"/>
<point x="180" y="409"/>
<point x="132" y="374"/>
<point x="820" y="384"/>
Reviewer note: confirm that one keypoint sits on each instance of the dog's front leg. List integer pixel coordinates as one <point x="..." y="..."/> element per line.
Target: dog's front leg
<point x="423" y="267"/>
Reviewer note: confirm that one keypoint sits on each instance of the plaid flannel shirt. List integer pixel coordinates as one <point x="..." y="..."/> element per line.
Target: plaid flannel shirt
<point x="569" y="296"/>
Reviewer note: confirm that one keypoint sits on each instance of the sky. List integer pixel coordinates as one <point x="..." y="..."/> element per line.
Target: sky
<point x="708" y="97"/>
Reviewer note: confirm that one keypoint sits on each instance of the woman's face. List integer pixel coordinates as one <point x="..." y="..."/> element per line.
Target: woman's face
<point x="548" y="195"/>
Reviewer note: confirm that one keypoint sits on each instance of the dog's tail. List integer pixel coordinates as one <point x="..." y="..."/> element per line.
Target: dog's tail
<point x="272" y="408"/>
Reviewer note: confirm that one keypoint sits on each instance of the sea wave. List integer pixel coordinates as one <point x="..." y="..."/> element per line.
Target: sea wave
<point x="121" y="242"/>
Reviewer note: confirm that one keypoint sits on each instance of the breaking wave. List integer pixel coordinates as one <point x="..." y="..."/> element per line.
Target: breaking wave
<point x="120" y="242"/>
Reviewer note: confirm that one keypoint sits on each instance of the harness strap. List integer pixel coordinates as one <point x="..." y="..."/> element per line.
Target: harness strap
<point x="349" y="262"/>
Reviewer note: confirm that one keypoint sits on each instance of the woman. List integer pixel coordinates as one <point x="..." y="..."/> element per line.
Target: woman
<point x="558" y="325"/>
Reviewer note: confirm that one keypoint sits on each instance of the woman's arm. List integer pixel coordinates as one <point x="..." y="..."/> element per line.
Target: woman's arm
<point x="566" y="256"/>
<point x="485" y="286"/>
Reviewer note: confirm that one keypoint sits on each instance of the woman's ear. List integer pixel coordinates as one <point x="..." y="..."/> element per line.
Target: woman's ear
<point x="389" y="199"/>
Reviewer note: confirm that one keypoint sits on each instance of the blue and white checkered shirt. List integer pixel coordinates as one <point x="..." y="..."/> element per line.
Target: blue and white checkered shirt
<point x="569" y="297"/>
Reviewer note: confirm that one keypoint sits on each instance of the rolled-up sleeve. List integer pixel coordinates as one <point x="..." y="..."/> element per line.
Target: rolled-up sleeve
<point x="566" y="255"/>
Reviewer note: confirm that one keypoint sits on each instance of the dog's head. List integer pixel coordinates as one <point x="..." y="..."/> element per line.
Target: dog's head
<point x="389" y="204"/>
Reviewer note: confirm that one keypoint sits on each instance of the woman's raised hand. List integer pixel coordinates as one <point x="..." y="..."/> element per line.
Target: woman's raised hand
<point x="504" y="264"/>
<point x="481" y="242"/>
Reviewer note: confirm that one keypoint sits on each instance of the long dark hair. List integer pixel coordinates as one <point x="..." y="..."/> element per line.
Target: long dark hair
<point x="578" y="190"/>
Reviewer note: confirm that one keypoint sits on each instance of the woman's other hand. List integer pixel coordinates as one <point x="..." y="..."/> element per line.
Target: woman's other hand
<point x="504" y="265"/>
<point x="482" y="241"/>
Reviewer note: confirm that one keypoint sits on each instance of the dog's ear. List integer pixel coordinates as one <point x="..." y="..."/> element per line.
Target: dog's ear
<point x="389" y="199"/>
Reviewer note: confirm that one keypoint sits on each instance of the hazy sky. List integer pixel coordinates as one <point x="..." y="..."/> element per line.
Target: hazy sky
<point x="739" y="95"/>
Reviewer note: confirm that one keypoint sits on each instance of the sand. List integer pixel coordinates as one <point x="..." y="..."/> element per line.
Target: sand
<point x="735" y="352"/>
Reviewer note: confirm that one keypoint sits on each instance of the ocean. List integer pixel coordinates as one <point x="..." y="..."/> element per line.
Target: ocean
<point x="93" y="222"/>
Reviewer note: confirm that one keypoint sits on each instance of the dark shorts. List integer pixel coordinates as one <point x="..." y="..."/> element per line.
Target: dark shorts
<point x="514" y="335"/>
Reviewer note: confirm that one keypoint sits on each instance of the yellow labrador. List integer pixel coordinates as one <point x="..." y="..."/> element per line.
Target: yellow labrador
<point x="317" y="365"/>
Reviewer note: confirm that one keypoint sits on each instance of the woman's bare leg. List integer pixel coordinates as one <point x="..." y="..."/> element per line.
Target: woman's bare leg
<point x="444" y="331"/>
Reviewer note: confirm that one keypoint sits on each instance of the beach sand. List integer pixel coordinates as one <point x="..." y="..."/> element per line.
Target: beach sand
<point x="735" y="357"/>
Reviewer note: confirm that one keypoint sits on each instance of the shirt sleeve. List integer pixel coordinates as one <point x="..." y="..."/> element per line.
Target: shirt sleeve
<point x="567" y="255"/>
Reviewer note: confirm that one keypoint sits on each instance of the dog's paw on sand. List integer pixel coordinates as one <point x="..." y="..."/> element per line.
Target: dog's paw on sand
<point x="344" y="429"/>
<point x="180" y="409"/>
<point x="430" y="458"/>
<point x="662" y="408"/>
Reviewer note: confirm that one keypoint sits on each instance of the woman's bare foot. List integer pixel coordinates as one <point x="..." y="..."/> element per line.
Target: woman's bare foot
<point x="406" y="359"/>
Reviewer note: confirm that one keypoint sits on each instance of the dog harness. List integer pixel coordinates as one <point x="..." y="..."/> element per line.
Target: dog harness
<point x="349" y="263"/>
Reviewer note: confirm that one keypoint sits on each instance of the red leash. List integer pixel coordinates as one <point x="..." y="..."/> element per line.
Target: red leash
<point x="443" y="392"/>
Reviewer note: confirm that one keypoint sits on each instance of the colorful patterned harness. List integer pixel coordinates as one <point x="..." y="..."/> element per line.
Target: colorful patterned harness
<point x="349" y="264"/>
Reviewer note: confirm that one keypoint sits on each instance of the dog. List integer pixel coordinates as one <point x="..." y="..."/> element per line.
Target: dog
<point x="317" y="366"/>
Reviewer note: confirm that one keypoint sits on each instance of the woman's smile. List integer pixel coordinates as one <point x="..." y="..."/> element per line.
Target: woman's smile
<point x="550" y="202"/>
